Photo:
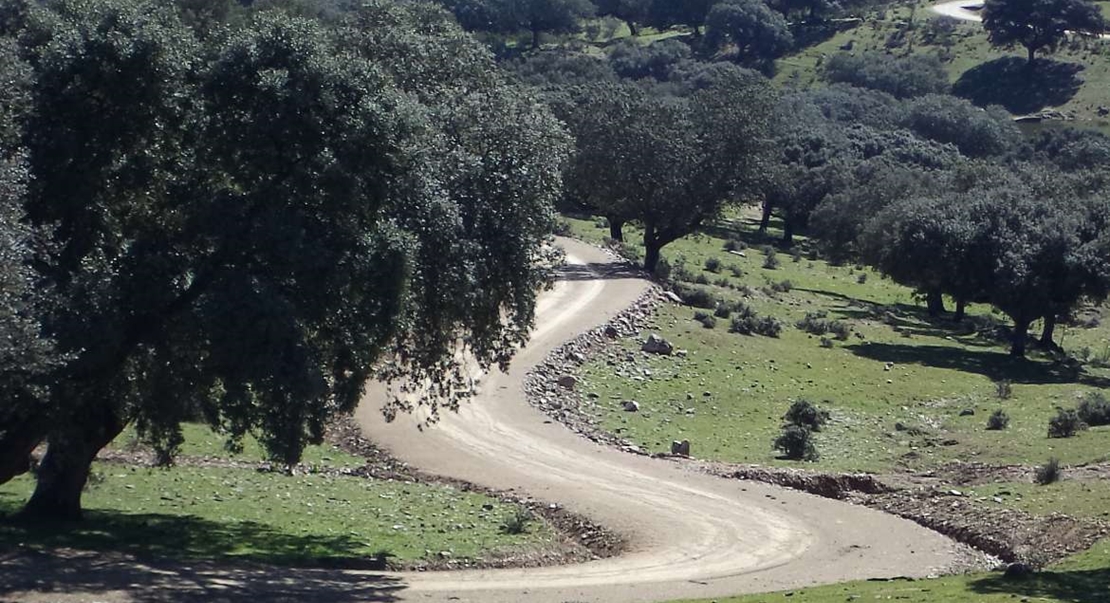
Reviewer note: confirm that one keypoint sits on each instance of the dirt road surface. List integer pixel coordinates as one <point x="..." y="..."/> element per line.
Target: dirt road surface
<point x="691" y="535"/>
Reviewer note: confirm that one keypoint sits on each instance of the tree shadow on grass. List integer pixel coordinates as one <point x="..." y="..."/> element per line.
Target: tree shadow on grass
<point x="995" y="365"/>
<point x="1009" y="82"/>
<point x="70" y="573"/>
<point x="185" y="537"/>
<point x="1081" y="586"/>
<point x="591" y="272"/>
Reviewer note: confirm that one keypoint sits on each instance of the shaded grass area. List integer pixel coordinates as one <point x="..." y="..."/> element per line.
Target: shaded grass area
<point x="1084" y="578"/>
<point x="899" y="388"/>
<point x="192" y="513"/>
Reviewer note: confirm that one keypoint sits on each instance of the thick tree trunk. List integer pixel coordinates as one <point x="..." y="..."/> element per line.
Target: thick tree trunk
<point x="65" y="468"/>
<point x="787" y="232"/>
<point x="1017" y="342"/>
<point x="1049" y="331"/>
<point x="934" y="302"/>
<point x="765" y="220"/>
<point x="961" y="310"/>
<point x="616" y="228"/>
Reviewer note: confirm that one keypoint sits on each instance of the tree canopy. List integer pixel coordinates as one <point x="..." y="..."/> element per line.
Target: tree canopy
<point x="1039" y="24"/>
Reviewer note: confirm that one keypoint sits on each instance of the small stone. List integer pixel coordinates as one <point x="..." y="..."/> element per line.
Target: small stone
<point x="967" y="412"/>
<point x="657" y="345"/>
<point x="567" y="381"/>
<point x="630" y="406"/>
<point x="680" y="448"/>
<point x="611" y="332"/>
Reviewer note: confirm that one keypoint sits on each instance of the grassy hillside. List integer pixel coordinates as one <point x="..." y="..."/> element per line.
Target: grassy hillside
<point x="900" y="388"/>
<point x="1075" y="81"/>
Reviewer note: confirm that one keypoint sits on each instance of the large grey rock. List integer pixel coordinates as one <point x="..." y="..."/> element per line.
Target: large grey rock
<point x="657" y="345"/>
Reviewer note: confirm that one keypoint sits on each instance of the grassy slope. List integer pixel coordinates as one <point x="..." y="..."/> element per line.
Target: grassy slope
<point x="211" y="512"/>
<point x="937" y="373"/>
<point x="968" y="49"/>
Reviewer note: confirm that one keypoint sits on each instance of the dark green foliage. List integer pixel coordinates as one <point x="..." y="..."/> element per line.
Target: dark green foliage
<point x="1065" y="424"/>
<point x="903" y="77"/>
<point x="1094" y="409"/>
<point x="510" y="16"/>
<point x="722" y="311"/>
<point x="998" y="420"/>
<point x="805" y="414"/>
<point x="747" y="322"/>
<point x="974" y="131"/>
<point x="559" y="67"/>
<point x="818" y="323"/>
<point x="1004" y="389"/>
<point x="796" y="443"/>
<point x="1048" y="473"/>
<point x="707" y="320"/>
<point x="735" y="245"/>
<point x="770" y="258"/>
<point x="713" y="265"/>
<point x="630" y="59"/>
<point x="244" y="230"/>
<point x="782" y="286"/>
<point x="1039" y="24"/>
<point x="747" y="32"/>
<point x="698" y="297"/>
<point x="1073" y="148"/>
<point x="517" y="523"/>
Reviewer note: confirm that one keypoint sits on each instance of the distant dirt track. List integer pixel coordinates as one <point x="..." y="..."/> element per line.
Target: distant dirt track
<point x="691" y="535"/>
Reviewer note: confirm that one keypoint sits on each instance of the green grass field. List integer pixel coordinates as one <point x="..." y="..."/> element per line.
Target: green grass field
<point x="1084" y="578"/>
<point x="936" y="371"/>
<point x="198" y="512"/>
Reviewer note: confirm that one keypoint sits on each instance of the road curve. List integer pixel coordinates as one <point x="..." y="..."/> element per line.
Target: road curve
<point x="964" y="10"/>
<point x="691" y="535"/>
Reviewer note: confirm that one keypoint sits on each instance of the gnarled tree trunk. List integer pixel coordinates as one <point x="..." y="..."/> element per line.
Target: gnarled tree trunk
<point x="934" y="302"/>
<point x="961" y="310"/>
<point x="1017" y="340"/>
<point x="65" y="468"/>
<point x="616" y="228"/>
<point x="1049" y="331"/>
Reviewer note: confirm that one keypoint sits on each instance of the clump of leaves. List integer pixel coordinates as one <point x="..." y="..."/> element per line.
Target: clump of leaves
<point x="818" y="323"/>
<point x="1065" y="424"/>
<point x="698" y="297"/>
<point x="1048" y="473"/>
<point x="804" y="413"/>
<point x="998" y="420"/>
<point x="1094" y="409"/>
<point x="722" y="311"/>
<point x="770" y="258"/>
<point x="517" y="523"/>
<point x="706" y="319"/>
<point x="735" y="245"/>
<point x="796" y="443"/>
<point x="713" y="265"/>
<point x="1004" y="389"/>
<point x="782" y="286"/>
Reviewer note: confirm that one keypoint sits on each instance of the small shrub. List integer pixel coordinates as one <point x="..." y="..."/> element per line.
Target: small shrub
<point x="1065" y="424"/>
<point x="679" y="272"/>
<point x="701" y="279"/>
<point x="998" y="420"/>
<point x="804" y="414"/>
<point x="663" y="270"/>
<point x="713" y="265"/>
<point x="735" y="245"/>
<point x="562" y="228"/>
<point x="722" y="283"/>
<point x="768" y="327"/>
<point x="1003" y="389"/>
<point x="705" y="319"/>
<point x="826" y="342"/>
<point x="698" y="297"/>
<point x="796" y="254"/>
<point x="601" y="223"/>
<point x="770" y="258"/>
<point x="1094" y="409"/>
<point x="722" y="311"/>
<point x="862" y="278"/>
<point x="782" y="286"/>
<point x="817" y="323"/>
<point x="796" y="443"/>
<point x="517" y="523"/>
<point x="736" y="270"/>
<point x="1048" y="473"/>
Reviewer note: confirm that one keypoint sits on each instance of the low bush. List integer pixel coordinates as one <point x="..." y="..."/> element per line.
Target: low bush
<point x="805" y="414"/>
<point x="705" y="319"/>
<point x="1004" y="389"/>
<point x="736" y="270"/>
<point x="735" y="245"/>
<point x="517" y="523"/>
<point x="998" y="420"/>
<point x="713" y="265"/>
<point x="796" y="443"/>
<point x="697" y="297"/>
<point x="722" y="311"/>
<point x="701" y="279"/>
<point x="782" y="286"/>
<point x="770" y="258"/>
<point x="1065" y="424"/>
<point x="1048" y="473"/>
<point x="1094" y="409"/>
<point x="818" y="323"/>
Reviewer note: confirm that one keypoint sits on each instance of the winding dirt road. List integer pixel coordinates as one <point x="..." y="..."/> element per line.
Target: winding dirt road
<point x="691" y="535"/>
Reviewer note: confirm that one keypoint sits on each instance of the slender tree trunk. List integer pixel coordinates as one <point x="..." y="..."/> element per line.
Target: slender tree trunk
<point x="65" y="468"/>
<point x="765" y="220"/>
<point x="652" y="247"/>
<point x="1049" y="331"/>
<point x="787" y="232"/>
<point x="535" y="39"/>
<point x="633" y="28"/>
<point x="934" y="302"/>
<point x="1021" y="332"/>
<point x="1032" y="55"/>
<point x="961" y="310"/>
<point x="616" y="228"/>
